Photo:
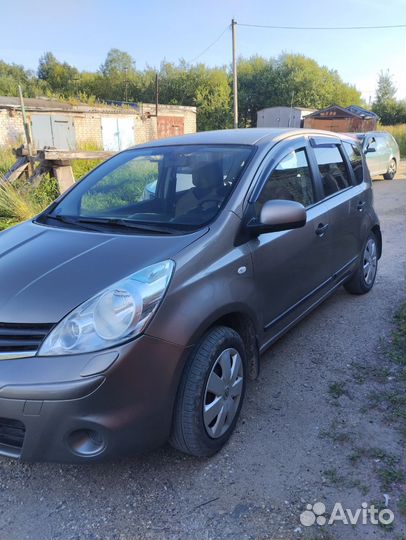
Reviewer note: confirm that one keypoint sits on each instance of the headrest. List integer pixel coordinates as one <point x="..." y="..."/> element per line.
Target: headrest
<point x="208" y="175"/>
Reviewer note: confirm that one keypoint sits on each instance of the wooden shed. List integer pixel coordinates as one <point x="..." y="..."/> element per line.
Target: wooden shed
<point x="351" y="119"/>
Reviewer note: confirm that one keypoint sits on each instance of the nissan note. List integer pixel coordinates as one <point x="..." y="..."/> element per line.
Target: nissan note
<point x="135" y="308"/>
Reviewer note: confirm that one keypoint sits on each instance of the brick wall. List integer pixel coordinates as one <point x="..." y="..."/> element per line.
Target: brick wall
<point x="11" y="128"/>
<point x="88" y="124"/>
<point x="187" y="113"/>
<point x="88" y="130"/>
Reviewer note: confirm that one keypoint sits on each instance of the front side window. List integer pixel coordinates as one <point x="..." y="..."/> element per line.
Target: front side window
<point x="291" y="180"/>
<point x="333" y="171"/>
<point x="355" y="157"/>
<point x="173" y="186"/>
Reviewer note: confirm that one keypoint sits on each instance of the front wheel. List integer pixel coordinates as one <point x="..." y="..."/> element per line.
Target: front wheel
<point x="211" y="393"/>
<point x="363" y="278"/>
<point x="390" y="175"/>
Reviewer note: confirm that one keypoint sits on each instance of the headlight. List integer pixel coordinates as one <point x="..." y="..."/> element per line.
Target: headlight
<point x="116" y="314"/>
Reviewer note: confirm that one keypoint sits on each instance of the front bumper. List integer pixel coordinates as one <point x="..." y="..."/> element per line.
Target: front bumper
<point x="92" y="406"/>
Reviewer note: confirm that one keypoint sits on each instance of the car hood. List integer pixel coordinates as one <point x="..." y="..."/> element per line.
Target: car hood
<point x="45" y="272"/>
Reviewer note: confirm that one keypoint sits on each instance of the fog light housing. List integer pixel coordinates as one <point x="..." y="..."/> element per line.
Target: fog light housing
<point x="86" y="442"/>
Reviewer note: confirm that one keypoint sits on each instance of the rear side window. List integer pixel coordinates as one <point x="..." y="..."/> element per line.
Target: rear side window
<point x="290" y="180"/>
<point x="334" y="174"/>
<point x="355" y="157"/>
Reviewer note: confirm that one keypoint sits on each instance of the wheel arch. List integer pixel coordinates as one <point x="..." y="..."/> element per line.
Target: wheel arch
<point x="377" y="231"/>
<point x="244" y="324"/>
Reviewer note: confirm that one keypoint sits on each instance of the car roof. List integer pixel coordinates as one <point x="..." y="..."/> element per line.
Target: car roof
<point x="384" y="133"/>
<point x="247" y="136"/>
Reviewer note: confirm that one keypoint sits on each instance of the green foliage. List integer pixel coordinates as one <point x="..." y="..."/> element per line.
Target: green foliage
<point x="7" y="159"/>
<point x="389" y="110"/>
<point x="116" y="63"/>
<point x="399" y="133"/>
<point x="125" y="184"/>
<point x="16" y="205"/>
<point x="290" y="79"/>
<point x="386" y="90"/>
<point x="60" y="77"/>
<point x="81" y="167"/>
<point x="11" y="75"/>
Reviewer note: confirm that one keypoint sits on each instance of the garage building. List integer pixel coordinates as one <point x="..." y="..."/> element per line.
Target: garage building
<point x="65" y="126"/>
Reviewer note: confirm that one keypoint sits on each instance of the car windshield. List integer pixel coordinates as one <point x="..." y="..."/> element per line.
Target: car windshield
<point x="173" y="187"/>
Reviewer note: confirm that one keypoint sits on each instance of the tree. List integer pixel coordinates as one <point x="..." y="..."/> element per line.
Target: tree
<point x="389" y="110"/>
<point x="117" y="63"/>
<point x="386" y="90"/>
<point x="11" y="75"/>
<point x="60" y="77"/>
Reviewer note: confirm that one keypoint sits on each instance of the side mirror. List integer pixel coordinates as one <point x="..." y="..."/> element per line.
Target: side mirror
<point x="369" y="148"/>
<point x="279" y="215"/>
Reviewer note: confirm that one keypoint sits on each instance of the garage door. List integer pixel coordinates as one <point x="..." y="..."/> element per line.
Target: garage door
<point x="118" y="133"/>
<point x="170" y="126"/>
<point x="54" y="130"/>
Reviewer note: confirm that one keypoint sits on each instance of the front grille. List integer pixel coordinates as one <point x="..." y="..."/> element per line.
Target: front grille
<point x="11" y="433"/>
<point x="19" y="338"/>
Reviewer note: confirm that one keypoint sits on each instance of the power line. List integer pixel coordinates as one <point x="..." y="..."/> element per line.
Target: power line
<point x="323" y="27"/>
<point x="211" y="45"/>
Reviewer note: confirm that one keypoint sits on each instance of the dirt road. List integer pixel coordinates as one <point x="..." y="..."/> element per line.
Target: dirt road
<point x="315" y="427"/>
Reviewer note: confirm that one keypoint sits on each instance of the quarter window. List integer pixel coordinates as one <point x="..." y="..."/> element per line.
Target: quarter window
<point x="354" y="154"/>
<point x="290" y="180"/>
<point x="334" y="175"/>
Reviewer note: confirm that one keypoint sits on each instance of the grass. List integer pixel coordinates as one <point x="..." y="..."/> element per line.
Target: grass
<point x="399" y="133"/>
<point x="81" y="167"/>
<point x="335" y="433"/>
<point x="337" y="389"/>
<point x="7" y="159"/>
<point x="21" y="201"/>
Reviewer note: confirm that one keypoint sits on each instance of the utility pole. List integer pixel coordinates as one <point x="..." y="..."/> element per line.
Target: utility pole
<point x="27" y="132"/>
<point x="235" y="87"/>
<point x="126" y="84"/>
<point x="291" y="108"/>
<point x="156" y="96"/>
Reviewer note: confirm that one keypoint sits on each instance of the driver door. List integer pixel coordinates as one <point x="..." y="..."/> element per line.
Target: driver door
<point x="291" y="267"/>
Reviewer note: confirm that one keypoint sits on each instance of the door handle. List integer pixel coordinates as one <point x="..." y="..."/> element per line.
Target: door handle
<point x="321" y="229"/>
<point x="361" y="205"/>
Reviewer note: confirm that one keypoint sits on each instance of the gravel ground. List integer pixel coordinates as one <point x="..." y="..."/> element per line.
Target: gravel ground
<point x="315" y="427"/>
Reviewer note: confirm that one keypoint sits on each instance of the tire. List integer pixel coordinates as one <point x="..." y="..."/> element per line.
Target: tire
<point x="363" y="278"/>
<point x="192" y="432"/>
<point x="392" y="167"/>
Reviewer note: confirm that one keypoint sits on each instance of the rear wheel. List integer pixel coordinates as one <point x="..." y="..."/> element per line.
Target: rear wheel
<point x="364" y="277"/>
<point x="211" y="394"/>
<point x="390" y="175"/>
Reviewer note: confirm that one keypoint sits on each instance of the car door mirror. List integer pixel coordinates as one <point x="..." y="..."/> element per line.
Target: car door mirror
<point x="279" y="215"/>
<point x="371" y="146"/>
<point x="370" y="149"/>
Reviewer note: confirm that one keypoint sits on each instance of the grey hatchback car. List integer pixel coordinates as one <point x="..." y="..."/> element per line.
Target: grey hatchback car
<point x="128" y="321"/>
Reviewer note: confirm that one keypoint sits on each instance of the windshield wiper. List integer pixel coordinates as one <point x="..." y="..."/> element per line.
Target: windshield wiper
<point x="70" y="220"/>
<point x="125" y="223"/>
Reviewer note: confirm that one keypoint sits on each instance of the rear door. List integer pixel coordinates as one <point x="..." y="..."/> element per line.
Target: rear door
<point x="384" y="152"/>
<point x="345" y="200"/>
<point x="291" y="267"/>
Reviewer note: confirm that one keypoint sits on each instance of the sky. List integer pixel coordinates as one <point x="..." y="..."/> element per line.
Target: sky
<point x="82" y="31"/>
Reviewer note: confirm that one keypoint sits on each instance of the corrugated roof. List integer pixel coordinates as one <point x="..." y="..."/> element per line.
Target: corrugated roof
<point x="361" y="111"/>
<point x="46" y="104"/>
